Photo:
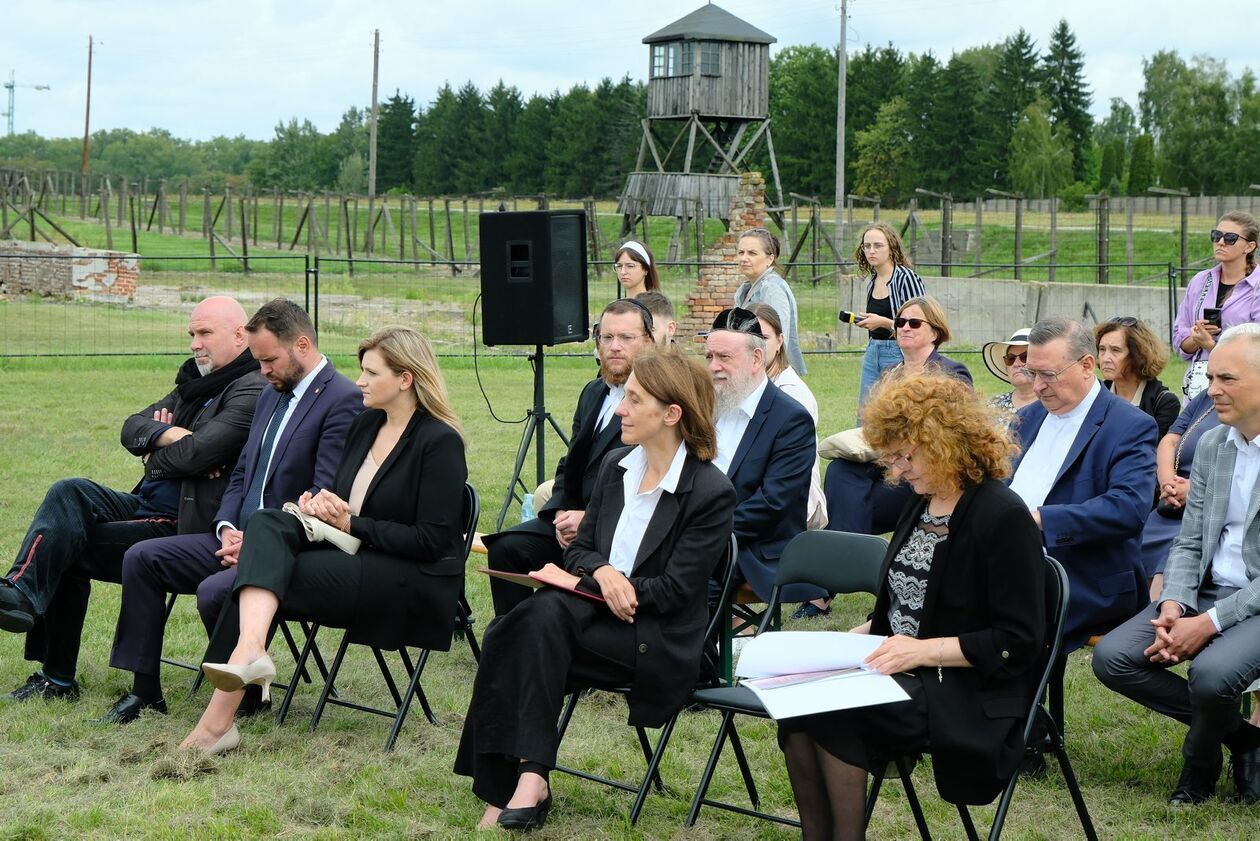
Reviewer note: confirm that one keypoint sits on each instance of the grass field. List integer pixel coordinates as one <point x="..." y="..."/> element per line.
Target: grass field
<point x="64" y="778"/>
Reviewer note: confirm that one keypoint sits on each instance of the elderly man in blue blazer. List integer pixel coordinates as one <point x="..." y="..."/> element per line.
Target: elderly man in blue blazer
<point x="1209" y="610"/>
<point x="294" y="445"/>
<point x="766" y="447"/>
<point x="1087" y="472"/>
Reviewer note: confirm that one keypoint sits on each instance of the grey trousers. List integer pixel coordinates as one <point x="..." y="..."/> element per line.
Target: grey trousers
<point x="1209" y="701"/>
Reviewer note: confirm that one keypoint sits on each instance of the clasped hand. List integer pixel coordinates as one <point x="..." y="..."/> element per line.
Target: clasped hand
<point x="229" y="546"/>
<point x="900" y="653"/>
<point x="618" y="592"/>
<point x="1173" y="492"/>
<point x="1178" y="637"/>
<point x="326" y="506"/>
<point x="566" y="523"/>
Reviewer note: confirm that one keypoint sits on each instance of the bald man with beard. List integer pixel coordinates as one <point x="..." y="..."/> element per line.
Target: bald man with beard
<point x="187" y="442"/>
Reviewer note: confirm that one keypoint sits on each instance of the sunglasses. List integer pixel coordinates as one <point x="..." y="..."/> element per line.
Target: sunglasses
<point x="1230" y="238"/>
<point x="912" y="323"/>
<point x="1124" y="321"/>
<point x="1012" y="358"/>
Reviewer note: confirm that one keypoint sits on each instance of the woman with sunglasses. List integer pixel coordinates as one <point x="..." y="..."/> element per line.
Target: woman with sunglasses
<point x="890" y="284"/>
<point x="1005" y="360"/>
<point x="756" y="252"/>
<point x="636" y="270"/>
<point x="921" y="330"/>
<point x="1130" y="358"/>
<point x="1219" y="297"/>
<point x="961" y="607"/>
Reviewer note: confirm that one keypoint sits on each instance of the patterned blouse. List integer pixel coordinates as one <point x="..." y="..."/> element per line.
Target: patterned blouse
<point x="908" y="573"/>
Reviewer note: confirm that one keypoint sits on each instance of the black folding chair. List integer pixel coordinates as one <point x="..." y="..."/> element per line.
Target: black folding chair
<point x="839" y="562"/>
<point x="402" y="701"/>
<point x="710" y="669"/>
<point x="1038" y="720"/>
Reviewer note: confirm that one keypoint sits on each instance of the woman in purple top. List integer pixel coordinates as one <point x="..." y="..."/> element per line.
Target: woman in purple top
<point x="1221" y="296"/>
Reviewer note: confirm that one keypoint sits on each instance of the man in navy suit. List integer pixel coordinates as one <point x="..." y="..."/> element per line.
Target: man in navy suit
<point x="766" y="447"/>
<point x="1087" y="472"/>
<point x="294" y="445"/>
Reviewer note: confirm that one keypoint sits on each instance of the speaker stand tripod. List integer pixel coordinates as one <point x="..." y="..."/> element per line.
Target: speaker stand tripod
<point x="535" y="430"/>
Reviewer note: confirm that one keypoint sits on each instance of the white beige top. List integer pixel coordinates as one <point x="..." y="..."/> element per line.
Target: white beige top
<point x="362" y="479"/>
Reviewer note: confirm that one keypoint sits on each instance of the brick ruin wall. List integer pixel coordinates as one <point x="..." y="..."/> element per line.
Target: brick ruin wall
<point x="715" y="290"/>
<point x="59" y="271"/>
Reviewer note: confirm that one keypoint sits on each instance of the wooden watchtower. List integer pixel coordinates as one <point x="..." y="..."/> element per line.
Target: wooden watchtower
<point x="708" y="108"/>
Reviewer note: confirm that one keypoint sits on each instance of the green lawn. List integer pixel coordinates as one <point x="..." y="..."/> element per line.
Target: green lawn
<point x="64" y="778"/>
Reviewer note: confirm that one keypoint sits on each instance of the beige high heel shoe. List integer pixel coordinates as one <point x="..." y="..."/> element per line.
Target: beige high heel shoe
<point x="230" y="740"/>
<point x="230" y="678"/>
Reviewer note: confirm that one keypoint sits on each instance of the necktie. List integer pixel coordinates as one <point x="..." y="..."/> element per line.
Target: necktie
<point x="253" y="495"/>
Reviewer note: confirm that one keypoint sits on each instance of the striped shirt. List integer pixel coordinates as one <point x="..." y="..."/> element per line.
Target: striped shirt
<point x="902" y="286"/>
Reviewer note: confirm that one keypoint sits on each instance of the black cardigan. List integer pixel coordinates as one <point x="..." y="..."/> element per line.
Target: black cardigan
<point x="1158" y="402"/>
<point x="986" y="586"/>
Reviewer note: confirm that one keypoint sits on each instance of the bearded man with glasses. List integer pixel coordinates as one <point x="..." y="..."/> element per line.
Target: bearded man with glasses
<point x="1087" y="473"/>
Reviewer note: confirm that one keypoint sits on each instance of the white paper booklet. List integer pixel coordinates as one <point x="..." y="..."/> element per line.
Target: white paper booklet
<point x="803" y="672"/>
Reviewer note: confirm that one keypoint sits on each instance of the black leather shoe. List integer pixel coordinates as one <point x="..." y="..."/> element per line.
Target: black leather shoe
<point x="528" y="817"/>
<point x="1195" y="786"/>
<point x="252" y="704"/>
<point x="1246" y="768"/>
<point x="17" y="614"/>
<point x="128" y="708"/>
<point x="38" y="686"/>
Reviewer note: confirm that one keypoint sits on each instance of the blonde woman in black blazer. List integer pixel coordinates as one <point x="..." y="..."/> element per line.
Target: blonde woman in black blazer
<point x="398" y="489"/>
<point x="652" y="567"/>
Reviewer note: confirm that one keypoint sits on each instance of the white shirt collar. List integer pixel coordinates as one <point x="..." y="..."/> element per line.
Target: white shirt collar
<point x="749" y="404"/>
<point x="1244" y="446"/>
<point x="635" y="463"/>
<point x="1081" y="409"/>
<point x="305" y="382"/>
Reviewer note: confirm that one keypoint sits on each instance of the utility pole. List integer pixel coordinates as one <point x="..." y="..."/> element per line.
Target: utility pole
<point x="11" y="86"/>
<point x="840" y="93"/>
<point x="376" y="63"/>
<point x="87" y="113"/>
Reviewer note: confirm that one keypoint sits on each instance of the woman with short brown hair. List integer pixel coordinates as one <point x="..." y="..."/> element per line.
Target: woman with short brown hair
<point x="1130" y="359"/>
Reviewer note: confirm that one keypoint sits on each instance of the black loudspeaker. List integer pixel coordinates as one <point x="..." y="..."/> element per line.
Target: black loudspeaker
<point x="533" y="277"/>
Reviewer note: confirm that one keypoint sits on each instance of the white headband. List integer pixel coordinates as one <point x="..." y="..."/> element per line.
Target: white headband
<point x="631" y="245"/>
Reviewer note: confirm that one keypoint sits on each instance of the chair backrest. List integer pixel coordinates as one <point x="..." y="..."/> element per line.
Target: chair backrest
<point x="472" y="513"/>
<point x="1057" y="591"/>
<point x="724" y="574"/>
<point x="836" y="561"/>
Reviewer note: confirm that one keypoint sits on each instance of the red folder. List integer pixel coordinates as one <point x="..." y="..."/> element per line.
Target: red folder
<point x="526" y="580"/>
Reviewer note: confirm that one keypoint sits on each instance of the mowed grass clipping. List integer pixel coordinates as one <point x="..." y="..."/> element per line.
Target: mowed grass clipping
<point x="64" y="778"/>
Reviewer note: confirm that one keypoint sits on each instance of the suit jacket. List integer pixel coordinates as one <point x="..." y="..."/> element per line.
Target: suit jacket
<point x="411" y="525"/>
<point x="307" y="454"/>
<point x="1093" y="517"/>
<point x="986" y="586"/>
<point x="1158" y="402"/>
<point x="771" y="473"/>
<point x="682" y="545"/>
<point x="219" y="430"/>
<point x="1190" y="561"/>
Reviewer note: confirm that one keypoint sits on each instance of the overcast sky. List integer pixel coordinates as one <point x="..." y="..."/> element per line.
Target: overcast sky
<point x="201" y="68"/>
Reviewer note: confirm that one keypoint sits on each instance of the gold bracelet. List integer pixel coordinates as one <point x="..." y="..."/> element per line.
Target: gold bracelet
<point x="940" y="661"/>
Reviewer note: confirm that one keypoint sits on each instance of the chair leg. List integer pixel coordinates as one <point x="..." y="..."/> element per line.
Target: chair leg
<point x="707" y="777"/>
<point x="646" y="746"/>
<point x="969" y="826"/>
<point x="336" y="667"/>
<point x="465" y="613"/>
<point x="420" y="696"/>
<point x="1078" y="799"/>
<point x="301" y="673"/>
<point x="566" y="715"/>
<point x="319" y="660"/>
<point x="297" y="670"/>
<point x="653" y="769"/>
<point x="745" y="770"/>
<point x="877" y="782"/>
<point x="905" y="769"/>
<point x="412" y="685"/>
<point x="388" y="674"/>
<point x="1056" y="693"/>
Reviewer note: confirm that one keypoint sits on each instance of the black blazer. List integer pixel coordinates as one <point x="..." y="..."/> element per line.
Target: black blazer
<point x="986" y="586"/>
<point x="578" y="469"/>
<point x="411" y="526"/>
<point x="1158" y="402"/>
<point x="684" y="541"/>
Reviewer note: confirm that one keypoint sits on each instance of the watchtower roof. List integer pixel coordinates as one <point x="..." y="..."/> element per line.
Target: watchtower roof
<point x="710" y="23"/>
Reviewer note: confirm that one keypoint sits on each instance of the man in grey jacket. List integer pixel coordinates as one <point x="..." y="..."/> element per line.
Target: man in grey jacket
<point x="1209" y="610"/>
<point x="188" y="442"/>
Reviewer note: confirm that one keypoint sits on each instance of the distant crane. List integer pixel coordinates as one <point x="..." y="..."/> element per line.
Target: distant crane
<point x="10" y="86"/>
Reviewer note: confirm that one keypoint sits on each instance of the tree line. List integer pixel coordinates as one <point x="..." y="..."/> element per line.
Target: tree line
<point x="1008" y="116"/>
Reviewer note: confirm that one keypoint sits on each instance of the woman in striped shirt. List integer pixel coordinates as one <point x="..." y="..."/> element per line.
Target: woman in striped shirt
<point x="892" y="282"/>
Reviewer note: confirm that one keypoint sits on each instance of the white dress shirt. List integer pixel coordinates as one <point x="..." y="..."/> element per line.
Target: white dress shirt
<point x="639" y="506"/>
<point x="732" y="425"/>
<point x="265" y="463"/>
<point x="1229" y="569"/>
<point x="616" y="393"/>
<point x="1041" y="463"/>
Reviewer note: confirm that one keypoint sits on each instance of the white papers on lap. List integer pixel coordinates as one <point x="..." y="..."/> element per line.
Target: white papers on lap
<point x="317" y="530"/>
<point x="797" y="673"/>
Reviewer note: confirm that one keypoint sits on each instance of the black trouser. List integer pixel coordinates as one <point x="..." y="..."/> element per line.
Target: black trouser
<point x="530" y="657"/>
<point x="519" y="549"/>
<point x="80" y="533"/>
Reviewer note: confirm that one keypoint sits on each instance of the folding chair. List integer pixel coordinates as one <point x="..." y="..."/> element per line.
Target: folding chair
<point x="402" y="702"/>
<point x="723" y="572"/>
<point x="839" y="562"/>
<point x="1038" y="719"/>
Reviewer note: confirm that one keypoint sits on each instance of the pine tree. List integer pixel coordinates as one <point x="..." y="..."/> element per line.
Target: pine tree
<point x="1142" y="165"/>
<point x="922" y="85"/>
<point x="395" y="143"/>
<point x="1015" y="85"/>
<point x="958" y="167"/>
<point x="1063" y="82"/>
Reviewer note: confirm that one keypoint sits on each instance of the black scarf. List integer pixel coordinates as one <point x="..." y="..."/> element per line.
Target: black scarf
<point x="196" y="389"/>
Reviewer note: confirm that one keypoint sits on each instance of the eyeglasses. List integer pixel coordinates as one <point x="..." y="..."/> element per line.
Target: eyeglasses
<point x="912" y="323"/>
<point x="1230" y="238"/>
<point x="625" y="267"/>
<point x="1011" y="358"/>
<point x="899" y="460"/>
<point x="1049" y="377"/>
<point x="873" y="246"/>
<point x="624" y="338"/>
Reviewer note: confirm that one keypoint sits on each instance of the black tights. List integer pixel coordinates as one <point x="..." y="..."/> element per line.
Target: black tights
<point x="830" y="794"/>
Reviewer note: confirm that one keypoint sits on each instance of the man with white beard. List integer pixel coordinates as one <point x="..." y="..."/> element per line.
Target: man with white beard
<point x="766" y="447"/>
